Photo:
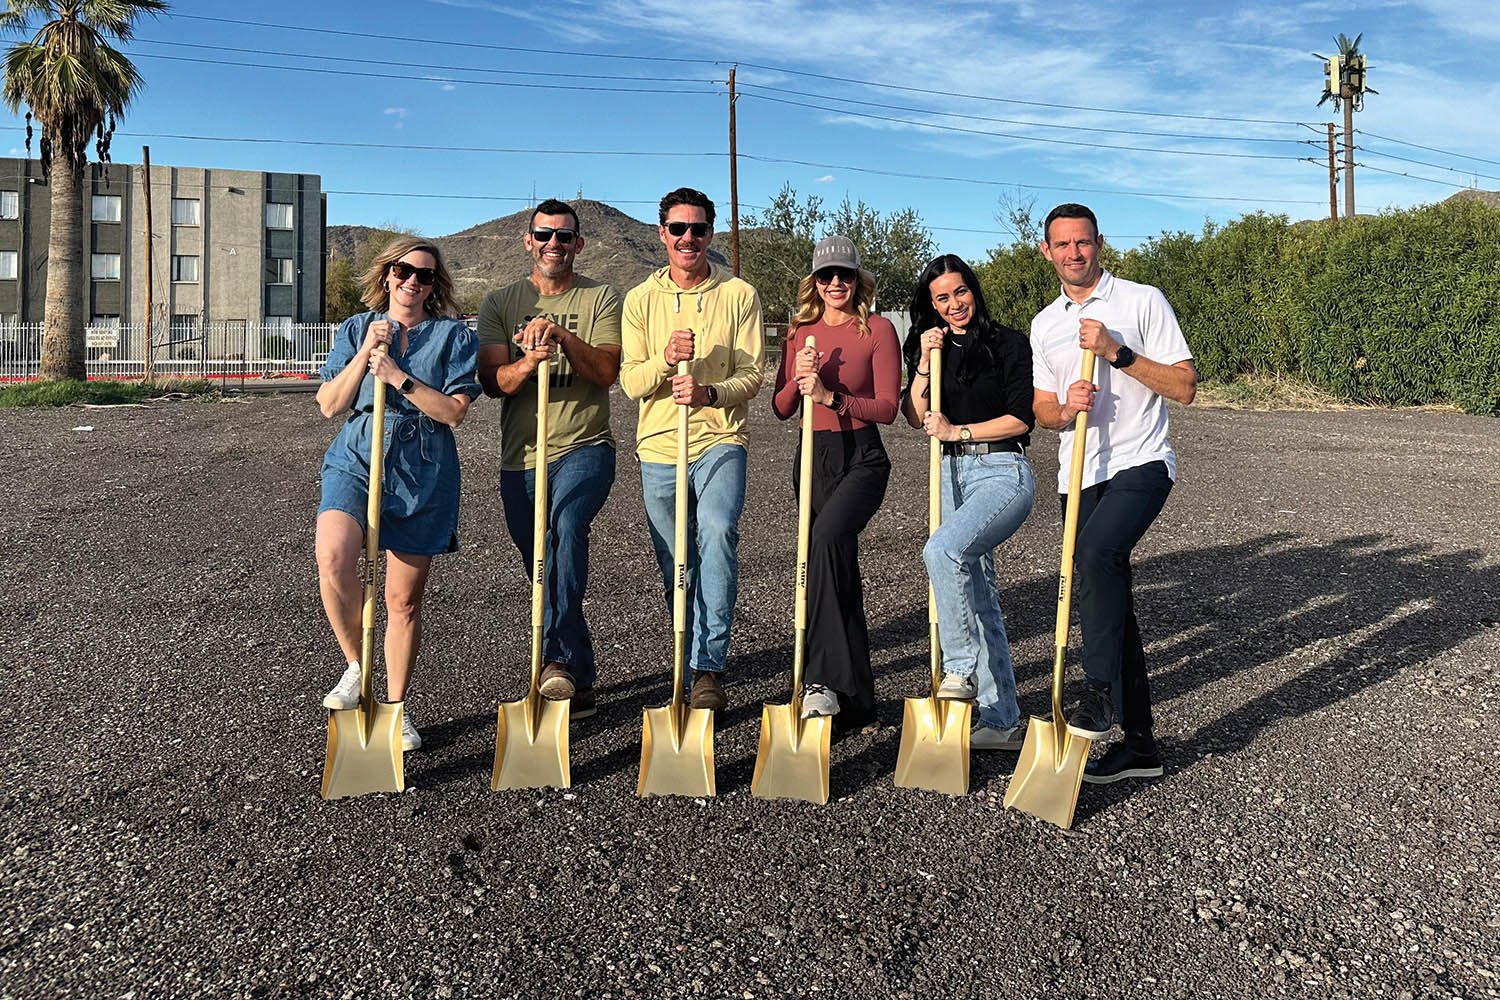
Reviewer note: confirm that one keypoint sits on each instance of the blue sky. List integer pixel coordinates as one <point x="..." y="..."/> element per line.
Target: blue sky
<point x="621" y="100"/>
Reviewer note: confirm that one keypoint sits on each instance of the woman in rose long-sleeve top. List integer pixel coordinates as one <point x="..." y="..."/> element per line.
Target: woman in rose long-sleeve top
<point x="854" y="378"/>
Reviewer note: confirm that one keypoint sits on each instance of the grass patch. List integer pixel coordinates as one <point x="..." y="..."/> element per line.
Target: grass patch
<point x="104" y="392"/>
<point x="1279" y="392"/>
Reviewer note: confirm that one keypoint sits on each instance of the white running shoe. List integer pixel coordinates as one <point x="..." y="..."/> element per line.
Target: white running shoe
<point x="410" y="738"/>
<point x="983" y="737"/>
<point x="345" y="694"/>
<point x="958" y="688"/>
<point x="818" y="701"/>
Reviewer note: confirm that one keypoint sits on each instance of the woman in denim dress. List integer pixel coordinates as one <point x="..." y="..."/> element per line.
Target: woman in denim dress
<point x="430" y="371"/>
<point x="987" y="486"/>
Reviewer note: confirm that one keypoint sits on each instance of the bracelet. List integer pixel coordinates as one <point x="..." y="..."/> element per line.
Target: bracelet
<point x="926" y="374"/>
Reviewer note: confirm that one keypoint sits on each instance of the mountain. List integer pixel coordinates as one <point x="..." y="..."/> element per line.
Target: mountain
<point x="617" y="249"/>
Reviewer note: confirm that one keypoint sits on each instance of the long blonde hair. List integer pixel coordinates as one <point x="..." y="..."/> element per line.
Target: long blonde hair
<point x="372" y="290"/>
<point x="810" y="304"/>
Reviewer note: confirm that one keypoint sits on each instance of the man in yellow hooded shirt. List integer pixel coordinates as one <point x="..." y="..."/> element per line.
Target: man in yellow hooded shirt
<point x="698" y="312"/>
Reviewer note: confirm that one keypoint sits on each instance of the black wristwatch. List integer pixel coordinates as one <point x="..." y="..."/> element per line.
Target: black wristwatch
<point x="1124" y="359"/>
<point x="407" y="385"/>
<point x="713" y="394"/>
<point x="836" y="403"/>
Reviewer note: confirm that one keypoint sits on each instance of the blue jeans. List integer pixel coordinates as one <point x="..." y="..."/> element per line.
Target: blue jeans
<point x="716" y="495"/>
<point x="985" y="499"/>
<point x="577" y="485"/>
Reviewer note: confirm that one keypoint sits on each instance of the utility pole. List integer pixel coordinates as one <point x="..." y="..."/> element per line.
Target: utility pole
<point x="1333" y="179"/>
<point x="146" y="171"/>
<point x="734" y="186"/>
<point x="1348" y="150"/>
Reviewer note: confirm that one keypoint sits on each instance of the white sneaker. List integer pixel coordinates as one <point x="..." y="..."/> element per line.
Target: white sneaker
<point x="957" y="688"/>
<point x="410" y="738"/>
<point x="983" y="737"/>
<point x="817" y="700"/>
<point x="345" y="694"/>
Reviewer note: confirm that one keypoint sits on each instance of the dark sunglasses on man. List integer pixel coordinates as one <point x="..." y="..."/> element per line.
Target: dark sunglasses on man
<point x="698" y="229"/>
<point x="402" y="270"/>
<point x="564" y="236"/>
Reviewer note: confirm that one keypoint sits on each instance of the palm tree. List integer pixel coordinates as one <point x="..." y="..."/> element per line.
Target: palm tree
<point x="75" y="86"/>
<point x="1346" y="86"/>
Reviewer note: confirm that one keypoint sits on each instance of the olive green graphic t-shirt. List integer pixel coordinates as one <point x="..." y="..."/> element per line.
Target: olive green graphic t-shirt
<point x="578" y="410"/>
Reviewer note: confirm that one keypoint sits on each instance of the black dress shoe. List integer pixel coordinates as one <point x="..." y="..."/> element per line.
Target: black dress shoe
<point x="1123" y="761"/>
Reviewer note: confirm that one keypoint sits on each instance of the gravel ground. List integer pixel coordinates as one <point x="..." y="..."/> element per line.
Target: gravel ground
<point x="1320" y="603"/>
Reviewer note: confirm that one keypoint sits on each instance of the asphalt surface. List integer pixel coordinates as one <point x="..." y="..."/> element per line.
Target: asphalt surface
<point x="1320" y="599"/>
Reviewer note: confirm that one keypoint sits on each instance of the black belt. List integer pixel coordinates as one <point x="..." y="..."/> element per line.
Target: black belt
<point x="981" y="447"/>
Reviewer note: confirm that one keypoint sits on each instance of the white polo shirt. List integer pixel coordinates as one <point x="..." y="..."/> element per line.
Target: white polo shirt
<point x="1128" y="425"/>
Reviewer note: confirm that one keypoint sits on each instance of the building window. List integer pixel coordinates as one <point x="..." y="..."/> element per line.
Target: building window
<point x="9" y="260"/>
<point x="183" y="326"/>
<point x="184" y="267"/>
<point x="105" y="266"/>
<point x="279" y="271"/>
<point x="106" y="208"/>
<point x="185" y="212"/>
<point x="278" y="216"/>
<point x="10" y="205"/>
<point x="105" y="321"/>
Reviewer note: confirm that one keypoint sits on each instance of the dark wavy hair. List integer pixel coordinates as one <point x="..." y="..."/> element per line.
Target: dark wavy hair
<point x="984" y="332"/>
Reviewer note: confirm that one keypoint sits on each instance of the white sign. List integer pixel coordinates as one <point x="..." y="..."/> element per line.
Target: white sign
<point x="102" y="336"/>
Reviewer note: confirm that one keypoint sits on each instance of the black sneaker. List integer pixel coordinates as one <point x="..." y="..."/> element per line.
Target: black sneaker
<point x="583" y="704"/>
<point x="1123" y="761"/>
<point x="1093" y="716"/>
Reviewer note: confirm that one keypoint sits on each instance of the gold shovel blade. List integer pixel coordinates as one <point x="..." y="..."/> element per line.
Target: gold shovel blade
<point x="934" y="746"/>
<point x="684" y="766"/>
<point x="364" y="759"/>
<point x="526" y="761"/>
<point x="1046" y="783"/>
<point x="792" y="763"/>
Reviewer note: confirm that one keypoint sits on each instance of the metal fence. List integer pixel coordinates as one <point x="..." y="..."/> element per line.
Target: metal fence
<point x="228" y="349"/>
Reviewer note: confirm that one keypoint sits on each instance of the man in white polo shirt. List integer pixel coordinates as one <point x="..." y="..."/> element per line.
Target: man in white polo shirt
<point x="1128" y="469"/>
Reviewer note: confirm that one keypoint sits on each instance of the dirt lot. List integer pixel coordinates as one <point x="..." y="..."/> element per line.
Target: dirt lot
<point x="1320" y="599"/>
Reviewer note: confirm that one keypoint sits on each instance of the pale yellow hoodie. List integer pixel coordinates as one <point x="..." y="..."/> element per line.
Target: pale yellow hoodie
<point x="724" y="314"/>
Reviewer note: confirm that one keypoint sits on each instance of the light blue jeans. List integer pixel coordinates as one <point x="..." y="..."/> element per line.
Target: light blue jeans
<point x="985" y="499"/>
<point x="716" y="496"/>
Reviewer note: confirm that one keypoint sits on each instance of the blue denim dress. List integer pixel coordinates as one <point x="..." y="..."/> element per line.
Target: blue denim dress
<point x="419" y="501"/>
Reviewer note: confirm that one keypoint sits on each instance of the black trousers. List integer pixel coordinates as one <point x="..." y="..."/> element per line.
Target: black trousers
<point x="850" y="472"/>
<point x="1112" y="517"/>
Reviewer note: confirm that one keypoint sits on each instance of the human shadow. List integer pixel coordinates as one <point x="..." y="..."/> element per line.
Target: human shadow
<point x="1367" y="607"/>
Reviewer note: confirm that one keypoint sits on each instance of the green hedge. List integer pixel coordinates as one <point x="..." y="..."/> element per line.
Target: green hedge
<point x="1401" y="308"/>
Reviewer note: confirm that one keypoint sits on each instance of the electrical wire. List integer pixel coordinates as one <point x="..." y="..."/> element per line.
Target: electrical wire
<point x="1424" y="163"/>
<point x="417" y="147"/>
<point x="1430" y="149"/>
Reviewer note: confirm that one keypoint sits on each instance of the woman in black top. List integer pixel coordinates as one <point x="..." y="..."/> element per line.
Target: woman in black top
<point x="987" y="483"/>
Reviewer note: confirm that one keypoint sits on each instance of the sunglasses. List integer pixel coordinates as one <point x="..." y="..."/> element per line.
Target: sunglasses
<point x="698" y="229"/>
<point x="564" y="236"/>
<point x="844" y="274"/>
<point x="425" y="275"/>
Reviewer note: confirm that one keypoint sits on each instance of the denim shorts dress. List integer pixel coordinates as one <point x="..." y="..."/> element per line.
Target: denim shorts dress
<point x="419" y="499"/>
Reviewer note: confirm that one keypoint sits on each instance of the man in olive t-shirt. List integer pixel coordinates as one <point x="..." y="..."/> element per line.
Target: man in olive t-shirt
<point x="556" y="314"/>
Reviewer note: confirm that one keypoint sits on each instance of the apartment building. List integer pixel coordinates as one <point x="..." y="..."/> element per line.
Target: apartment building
<point x="230" y="251"/>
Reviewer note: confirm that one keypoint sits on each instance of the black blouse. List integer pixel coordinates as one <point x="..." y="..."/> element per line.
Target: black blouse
<point x="999" y="390"/>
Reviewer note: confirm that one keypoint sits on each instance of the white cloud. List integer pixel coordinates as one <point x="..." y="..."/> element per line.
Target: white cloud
<point x="825" y="179"/>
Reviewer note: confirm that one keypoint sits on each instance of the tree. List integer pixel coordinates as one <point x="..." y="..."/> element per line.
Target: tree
<point x="76" y="87"/>
<point x="342" y="276"/>
<point x="777" y="249"/>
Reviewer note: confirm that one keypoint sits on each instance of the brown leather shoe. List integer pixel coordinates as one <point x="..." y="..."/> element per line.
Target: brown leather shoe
<point x="708" y="691"/>
<point x="583" y="704"/>
<point x="557" y="682"/>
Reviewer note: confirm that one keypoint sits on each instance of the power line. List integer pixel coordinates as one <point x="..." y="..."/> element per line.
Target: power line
<point x="1018" y="121"/>
<point x="1430" y="149"/>
<point x="445" y="42"/>
<point x="1030" y="187"/>
<point x="949" y="95"/>
<point x="415" y="147"/>
<point x="426" y="78"/>
<point x="323" y="57"/>
<point x="1424" y="163"/>
<point x="1415" y="177"/>
<point x="1020" y="138"/>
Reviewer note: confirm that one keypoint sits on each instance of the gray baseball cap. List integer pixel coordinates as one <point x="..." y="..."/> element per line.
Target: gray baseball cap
<point x="837" y="251"/>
